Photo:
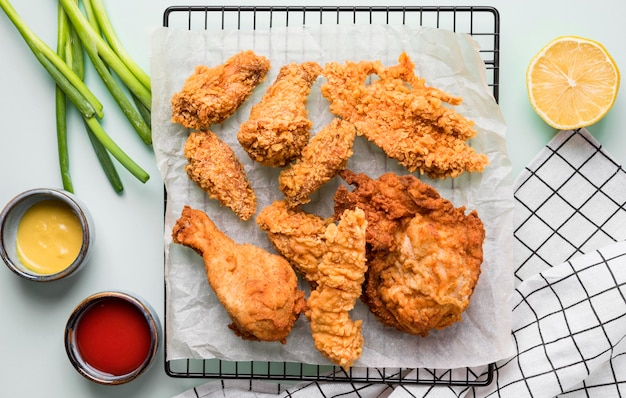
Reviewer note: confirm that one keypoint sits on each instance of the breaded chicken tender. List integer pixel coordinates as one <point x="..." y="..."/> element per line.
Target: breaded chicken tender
<point x="424" y="256"/>
<point x="322" y="158"/>
<point x="332" y="257"/>
<point x="212" y="94"/>
<point x="214" y="167"/>
<point x="259" y="290"/>
<point x="278" y="126"/>
<point x="405" y="118"/>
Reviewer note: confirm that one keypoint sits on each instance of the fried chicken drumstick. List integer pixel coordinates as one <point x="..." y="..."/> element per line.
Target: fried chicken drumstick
<point x="214" y="167"/>
<point x="259" y="290"/>
<point x="332" y="257"/>
<point x="212" y="95"/>
<point x="278" y="126"/>
<point x="404" y="117"/>
<point x="424" y="256"/>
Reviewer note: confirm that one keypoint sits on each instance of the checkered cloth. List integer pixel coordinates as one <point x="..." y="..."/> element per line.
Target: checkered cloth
<point x="569" y="312"/>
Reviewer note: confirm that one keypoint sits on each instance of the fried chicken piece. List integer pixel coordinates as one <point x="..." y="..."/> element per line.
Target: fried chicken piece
<point x="388" y="202"/>
<point x="214" y="167"/>
<point x="332" y="257"/>
<point x="212" y="95"/>
<point x="298" y="236"/>
<point x="326" y="154"/>
<point x="424" y="259"/>
<point x="404" y="117"/>
<point x="278" y="126"/>
<point x="259" y="290"/>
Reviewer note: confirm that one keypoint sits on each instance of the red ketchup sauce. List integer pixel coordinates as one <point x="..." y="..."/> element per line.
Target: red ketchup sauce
<point x="113" y="336"/>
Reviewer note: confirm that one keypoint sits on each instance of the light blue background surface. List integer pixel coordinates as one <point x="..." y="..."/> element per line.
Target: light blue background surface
<point x="128" y="254"/>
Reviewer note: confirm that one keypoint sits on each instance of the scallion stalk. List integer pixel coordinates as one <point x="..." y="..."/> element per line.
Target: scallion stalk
<point x="116" y="151"/>
<point x="114" y="42"/>
<point x="60" y="106"/>
<point x="72" y="85"/>
<point x="126" y="105"/>
<point x="94" y="42"/>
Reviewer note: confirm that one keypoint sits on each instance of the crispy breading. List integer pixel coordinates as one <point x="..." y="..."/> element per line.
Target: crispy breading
<point x="332" y="257"/>
<point x="212" y="94"/>
<point x="215" y="168"/>
<point x="424" y="256"/>
<point x="326" y="154"/>
<point x="259" y="290"/>
<point x="278" y="126"/>
<point x="405" y="118"/>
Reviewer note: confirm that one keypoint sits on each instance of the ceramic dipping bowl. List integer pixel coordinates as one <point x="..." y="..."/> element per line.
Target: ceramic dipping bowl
<point x="19" y="208"/>
<point x="112" y="337"/>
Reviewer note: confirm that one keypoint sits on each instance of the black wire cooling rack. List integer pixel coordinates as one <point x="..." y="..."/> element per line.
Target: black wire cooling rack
<point x="482" y="23"/>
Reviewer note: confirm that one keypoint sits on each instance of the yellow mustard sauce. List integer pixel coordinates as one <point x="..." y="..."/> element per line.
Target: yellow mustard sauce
<point x="49" y="237"/>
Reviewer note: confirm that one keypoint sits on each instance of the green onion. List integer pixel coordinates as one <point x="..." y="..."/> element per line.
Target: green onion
<point x="128" y="108"/>
<point x="72" y="85"/>
<point x="114" y="42"/>
<point x="92" y="41"/>
<point x="71" y="51"/>
<point x="60" y="105"/>
<point x="67" y="69"/>
<point x="105" y="161"/>
<point x="116" y="151"/>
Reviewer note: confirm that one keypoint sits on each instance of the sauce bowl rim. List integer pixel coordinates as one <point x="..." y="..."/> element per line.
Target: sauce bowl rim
<point x="73" y="352"/>
<point x="36" y="195"/>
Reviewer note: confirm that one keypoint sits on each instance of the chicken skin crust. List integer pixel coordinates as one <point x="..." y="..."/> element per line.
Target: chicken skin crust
<point x="259" y="290"/>
<point x="212" y="94"/>
<point x="405" y="118"/>
<point x="322" y="158"/>
<point x="214" y="167"/>
<point x="424" y="255"/>
<point x="332" y="257"/>
<point x="278" y="126"/>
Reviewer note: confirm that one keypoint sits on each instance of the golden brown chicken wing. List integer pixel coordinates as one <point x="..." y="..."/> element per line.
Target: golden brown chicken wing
<point x="404" y="117"/>
<point x="424" y="256"/>
<point x="326" y="154"/>
<point x="332" y="257"/>
<point x="212" y="95"/>
<point x="258" y="289"/>
<point x="278" y="126"/>
<point x="215" y="168"/>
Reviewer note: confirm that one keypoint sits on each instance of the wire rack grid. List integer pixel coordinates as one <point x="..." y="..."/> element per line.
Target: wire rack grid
<point x="482" y="23"/>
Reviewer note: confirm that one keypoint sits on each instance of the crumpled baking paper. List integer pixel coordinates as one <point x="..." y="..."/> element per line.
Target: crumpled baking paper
<point x="196" y="323"/>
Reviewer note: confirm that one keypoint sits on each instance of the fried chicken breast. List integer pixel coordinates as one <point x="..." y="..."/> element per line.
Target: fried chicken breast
<point x="424" y="256"/>
<point x="321" y="159"/>
<point x="212" y="94"/>
<point x="332" y="257"/>
<point x="278" y="126"/>
<point x="405" y="118"/>
<point x="214" y="167"/>
<point x="259" y="290"/>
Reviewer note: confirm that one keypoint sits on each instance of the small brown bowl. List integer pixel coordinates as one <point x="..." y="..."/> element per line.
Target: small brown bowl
<point x="112" y="337"/>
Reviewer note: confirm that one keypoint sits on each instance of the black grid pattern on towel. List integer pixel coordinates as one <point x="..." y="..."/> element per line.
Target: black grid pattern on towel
<point x="568" y="202"/>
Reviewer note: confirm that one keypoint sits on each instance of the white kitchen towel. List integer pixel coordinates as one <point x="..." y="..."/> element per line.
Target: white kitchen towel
<point x="569" y="308"/>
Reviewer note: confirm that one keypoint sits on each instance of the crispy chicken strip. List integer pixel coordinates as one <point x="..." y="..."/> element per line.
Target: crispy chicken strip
<point x="215" y="168"/>
<point x="424" y="256"/>
<point x="212" y="95"/>
<point x="332" y="257"/>
<point x="404" y="117"/>
<point x="278" y="126"/>
<point x="326" y="154"/>
<point x="259" y="290"/>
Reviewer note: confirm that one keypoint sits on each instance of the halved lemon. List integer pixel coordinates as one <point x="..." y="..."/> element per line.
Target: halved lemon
<point x="572" y="82"/>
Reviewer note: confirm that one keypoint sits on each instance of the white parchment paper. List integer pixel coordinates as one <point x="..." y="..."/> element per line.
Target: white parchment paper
<point x="196" y="322"/>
